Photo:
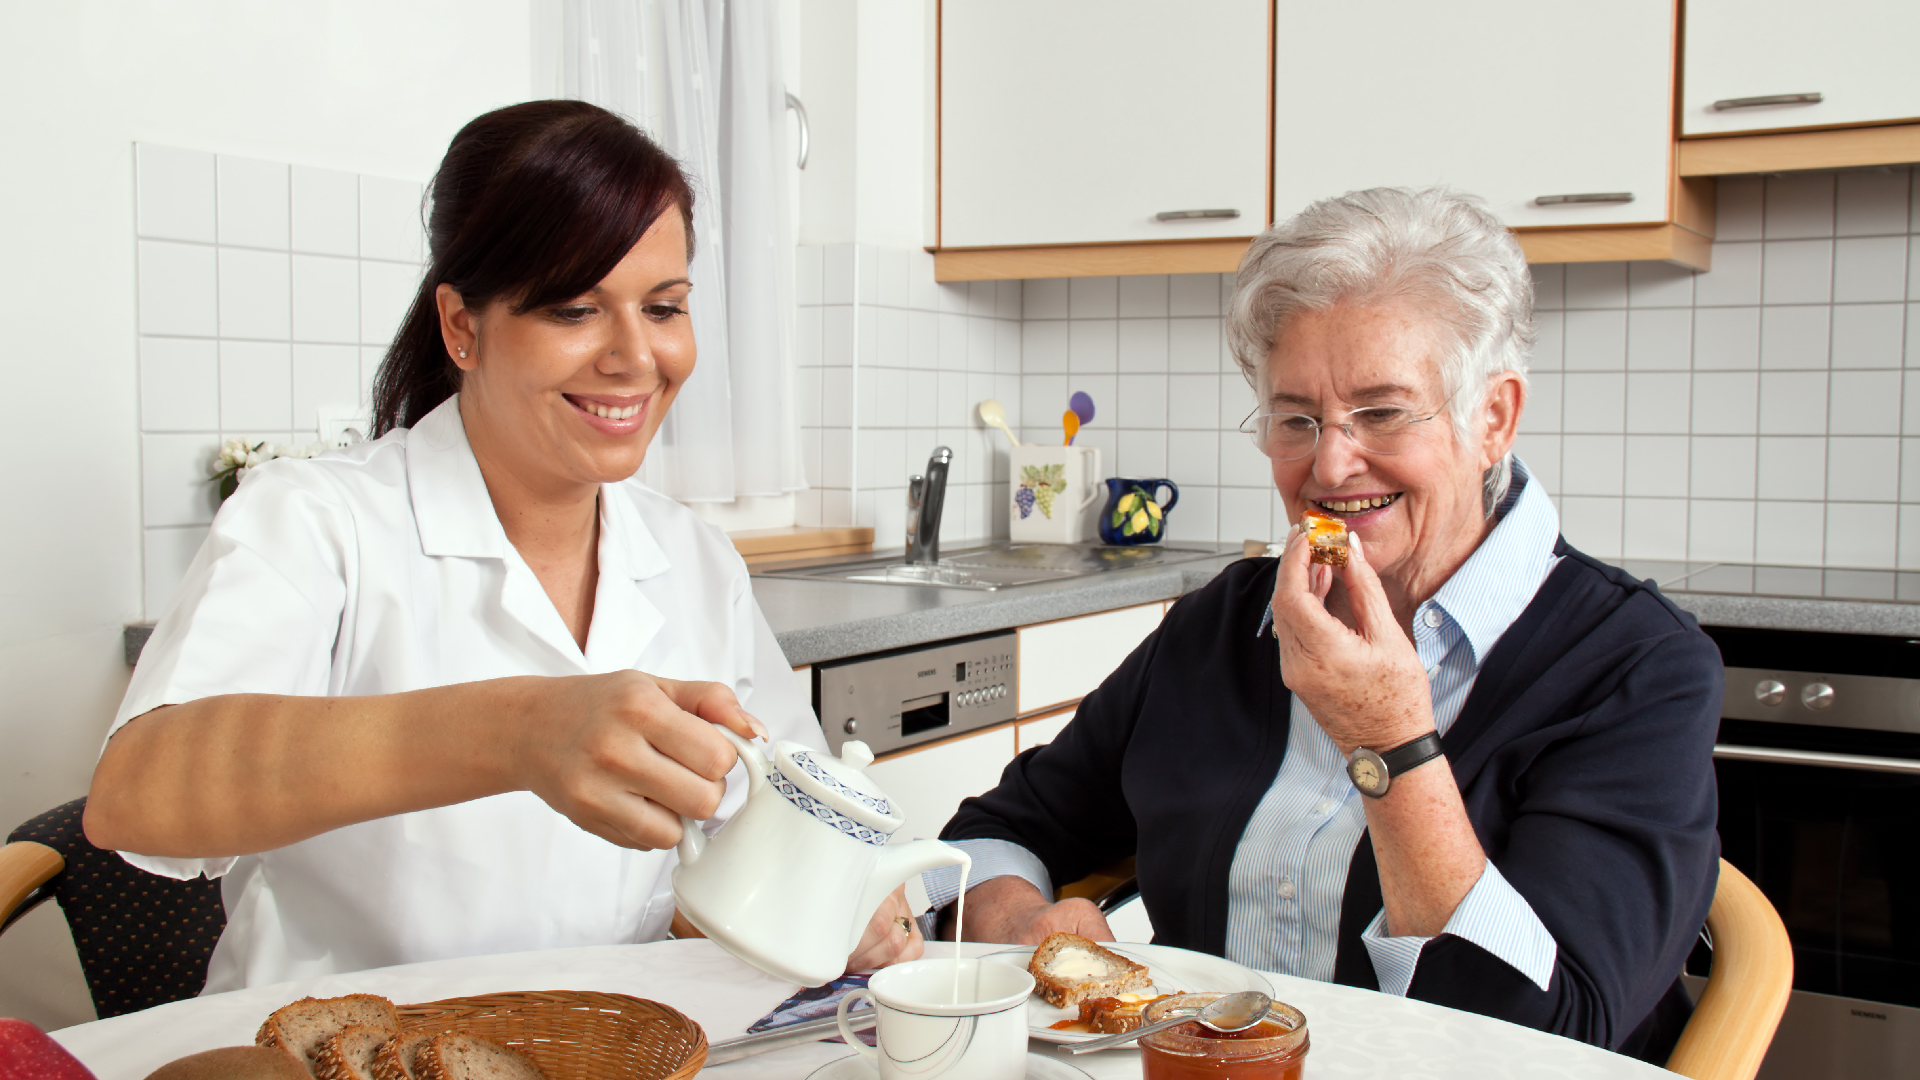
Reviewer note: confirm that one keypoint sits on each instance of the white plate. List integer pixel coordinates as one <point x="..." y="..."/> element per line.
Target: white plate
<point x="857" y="1067"/>
<point x="1175" y="971"/>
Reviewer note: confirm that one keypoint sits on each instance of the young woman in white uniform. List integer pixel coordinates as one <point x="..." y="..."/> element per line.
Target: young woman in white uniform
<point x="444" y="693"/>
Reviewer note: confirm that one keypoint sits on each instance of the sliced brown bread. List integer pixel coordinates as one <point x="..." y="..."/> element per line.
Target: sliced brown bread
<point x="233" y="1063"/>
<point x="399" y="1056"/>
<point x="456" y="1055"/>
<point x="349" y="1054"/>
<point x="303" y="1027"/>
<point x="1068" y="969"/>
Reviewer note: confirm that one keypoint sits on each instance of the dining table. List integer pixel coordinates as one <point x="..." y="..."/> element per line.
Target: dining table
<point x="1353" y="1033"/>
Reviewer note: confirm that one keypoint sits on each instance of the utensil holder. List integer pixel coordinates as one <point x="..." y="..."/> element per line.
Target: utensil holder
<point x="1052" y="489"/>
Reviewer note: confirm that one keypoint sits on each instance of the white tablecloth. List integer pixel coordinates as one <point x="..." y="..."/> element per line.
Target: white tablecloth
<point x="1354" y="1033"/>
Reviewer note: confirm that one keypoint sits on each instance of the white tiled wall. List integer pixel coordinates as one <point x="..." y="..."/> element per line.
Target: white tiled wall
<point x="1766" y="411"/>
<point x="871" y="414"/>
<point x="267" y="293"/>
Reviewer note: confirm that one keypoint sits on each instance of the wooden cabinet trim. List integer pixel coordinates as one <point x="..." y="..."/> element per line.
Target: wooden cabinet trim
<point x="1615" y="243"/>
<point x="1788" y="151"/>
<point x="1116" y="259"/>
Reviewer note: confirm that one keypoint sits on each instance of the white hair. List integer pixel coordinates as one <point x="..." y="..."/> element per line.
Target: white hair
<point x="1442" y="252"/>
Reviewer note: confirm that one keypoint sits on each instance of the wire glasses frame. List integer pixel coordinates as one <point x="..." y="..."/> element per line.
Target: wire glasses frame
<point x="1377" y="429"/>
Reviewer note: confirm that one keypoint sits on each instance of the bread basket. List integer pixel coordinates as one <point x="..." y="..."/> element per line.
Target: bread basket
<point x="577" y="1035"/>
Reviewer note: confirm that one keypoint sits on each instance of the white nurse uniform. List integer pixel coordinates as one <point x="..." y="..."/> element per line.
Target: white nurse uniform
<point x="382" y="569"/>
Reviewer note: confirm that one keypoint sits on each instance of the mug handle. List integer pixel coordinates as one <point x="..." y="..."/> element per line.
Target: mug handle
<point x="1170" y="486"/>
<point x="846" y="1029"/>
<point x="1090" y="457"/>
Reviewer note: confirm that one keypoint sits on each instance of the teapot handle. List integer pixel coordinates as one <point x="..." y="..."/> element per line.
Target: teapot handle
<point x="692" y="840"/>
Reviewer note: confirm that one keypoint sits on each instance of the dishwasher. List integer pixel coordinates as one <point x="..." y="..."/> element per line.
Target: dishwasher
<point x="919" y="694"/>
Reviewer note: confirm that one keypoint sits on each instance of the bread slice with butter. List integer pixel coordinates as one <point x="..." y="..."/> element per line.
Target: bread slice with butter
<point x="1067" y="969"/>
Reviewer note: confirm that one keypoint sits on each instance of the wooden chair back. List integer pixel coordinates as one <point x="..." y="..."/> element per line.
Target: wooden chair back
<point x="1734" y="1020"/>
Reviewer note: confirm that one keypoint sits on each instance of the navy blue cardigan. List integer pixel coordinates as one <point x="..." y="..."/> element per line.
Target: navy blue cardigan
<point x="1583" y="753"/>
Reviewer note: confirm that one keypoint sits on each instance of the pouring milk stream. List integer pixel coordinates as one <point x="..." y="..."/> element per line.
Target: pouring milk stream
<point x="789" y="884"/>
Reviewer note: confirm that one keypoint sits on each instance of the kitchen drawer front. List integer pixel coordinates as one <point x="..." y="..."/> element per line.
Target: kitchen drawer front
<point x="1858" y="55"/>
<point x="1063" y="661"/>
<point x="928" y="783"/>
<point x="1039" y="732"/>
<point x="1510" y="100"/>
<point x="1078" y="121"/>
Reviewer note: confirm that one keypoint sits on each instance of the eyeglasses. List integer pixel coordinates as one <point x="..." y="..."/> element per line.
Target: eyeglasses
<point x="1377" y="429"/>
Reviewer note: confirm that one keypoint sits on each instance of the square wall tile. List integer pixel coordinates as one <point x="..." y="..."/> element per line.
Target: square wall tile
<point x="325" y="377"/>
<point x="1143" y="343"/>
<point x="1740" y="208"/>
<point x="1549" y="341"/>
<point x="1596" y="285"/>
<point x="1044" y="298"/>
<point x="1593" y="465"/>
<point x="1798" y="272"/>
<point x="1909" y="554"/>
<point x="164" y="558"/>
<point x="1193" y="345"/>
<point x="1794" y="337"/>
<point x="1542" y="411"/>
<point x="1863" y="469"/>
<point x="1656" y="465"/>
<point x="179" y="384"/>
<point x="1242" y="464"/>
<point x="1246" y="514"/>
<point x="895" y="340"/>
<point x="1043" y="345"/>
<point x="1910" y="470"/>
<point x="1799" y="205"/>
<point x="326" y="299"/>
<point x="1862" y="534"/>
<point x="808" y="268"/>
<point x="1789" y="533"/>
<point x="1792" y="468"/>
<point x="256" y="388"/>
<point x="1596" y="341"/>
<point x="1659" y="285"/>
<point x="1655" y="529"/>
<point x="923" y="339"/>
<point x="255" y="295"/>
<point x="1194" y="294"/>
<point x="1657" y="402"/>
<point x="953" y="340"/>
<point x="390" y="226"/>
<point x="1595" y="403"/>
<point x="1006" y="294"/>
<point x="173" y="479"/>
<point x="1867" y="335"/>
<point x="178" y="287"/>
<point x="1093" y="298"/>
<point x="1735" y="277"/>
<point x="1720" y="530"/>
<point x="1864" y="403"/>
<point x="1726" y="403"/>
<point x="836" y="276"/>
<point x="1193" y="402"/>
<point x="1093" y="346"/>
<point x="1541" y="455"/>
<point x="1593" y="524"/>
<point x="1723" y="466"/>
<point x="1237" y="401"/>
<point x="1869" y="269"/>
<point x="1143" y="401"/>
<point x="1197" y="519"/>
<point x="253" y="203"/>
<point x="1549" y="286"/>
<point x="1140" y="453"/>
<point x="1660" y="339"/>
<point x="923" y="400"/>
<point x="386" y="292"/>
<point x="1871" y="202"/>
<point x="326" y="211"/>
<point x="174" y="193"/>
<point x="980" y="341"/>
<point x="1726" y="339"/>
<point x="1144" y="296"/>
<point x="1793" y="403"/>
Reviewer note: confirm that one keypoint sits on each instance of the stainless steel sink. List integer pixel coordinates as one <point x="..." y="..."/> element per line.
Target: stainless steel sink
<point x="993" y="566"/>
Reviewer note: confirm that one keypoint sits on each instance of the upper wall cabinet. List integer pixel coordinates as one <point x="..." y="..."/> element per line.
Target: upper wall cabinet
<point x="1074" y="122"/>
<point x="1773" y="65"/>
<point x="1555" y="114"/>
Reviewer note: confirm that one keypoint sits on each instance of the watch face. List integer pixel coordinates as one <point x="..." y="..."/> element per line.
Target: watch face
<point x="1365" y="774"/>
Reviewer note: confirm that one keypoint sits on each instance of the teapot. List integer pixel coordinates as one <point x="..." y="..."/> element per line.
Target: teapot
<point x="789" y="883"/>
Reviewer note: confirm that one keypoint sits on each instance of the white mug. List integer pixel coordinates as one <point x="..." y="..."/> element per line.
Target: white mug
<point x="924" y="1034"/>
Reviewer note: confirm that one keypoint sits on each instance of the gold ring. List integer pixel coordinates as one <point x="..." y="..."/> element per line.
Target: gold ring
<point x="906" y="924"/>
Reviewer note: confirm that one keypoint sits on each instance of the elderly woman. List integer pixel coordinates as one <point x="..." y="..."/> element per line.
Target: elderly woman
<point x="1542" y="846"/>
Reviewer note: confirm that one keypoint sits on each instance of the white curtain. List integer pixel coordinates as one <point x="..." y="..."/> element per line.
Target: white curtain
<point x="703" y="77"/>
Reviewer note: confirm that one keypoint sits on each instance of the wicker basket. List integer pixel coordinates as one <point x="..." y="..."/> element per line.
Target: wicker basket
<point x="577" y="1035"/>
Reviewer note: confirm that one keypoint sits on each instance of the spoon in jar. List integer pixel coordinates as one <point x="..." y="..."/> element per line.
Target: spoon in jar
<point x="1234" y="1012"/>
<point x="994" y="414"/>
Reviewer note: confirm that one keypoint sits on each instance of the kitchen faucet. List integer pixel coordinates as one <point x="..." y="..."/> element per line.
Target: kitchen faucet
<point x="925" y="497"/>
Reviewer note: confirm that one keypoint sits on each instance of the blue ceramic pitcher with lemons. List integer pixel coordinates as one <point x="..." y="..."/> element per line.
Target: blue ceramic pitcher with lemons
<point x="1133" y="515"/>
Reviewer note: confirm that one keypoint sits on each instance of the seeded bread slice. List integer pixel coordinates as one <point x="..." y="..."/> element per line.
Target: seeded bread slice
<point x="456" y="1055"/>
<point x="302" y="1028"/>
<point x="1067" y="969"/>
<point x="399" y="1057"/>
<point x="349" y="1055"/>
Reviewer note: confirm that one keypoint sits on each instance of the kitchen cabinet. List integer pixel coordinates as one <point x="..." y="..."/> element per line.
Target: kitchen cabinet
<point x="928" y="783"/>
<point x="1061" y="662"/>
<point x="1856" y="56"/>
<point x="1090" y="122"/>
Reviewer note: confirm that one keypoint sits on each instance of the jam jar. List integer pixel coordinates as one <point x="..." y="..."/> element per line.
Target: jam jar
<point x="1274" y="1049"/>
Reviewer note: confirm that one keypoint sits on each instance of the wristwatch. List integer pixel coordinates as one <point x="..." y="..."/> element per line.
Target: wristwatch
<point x="1373" y="772"/>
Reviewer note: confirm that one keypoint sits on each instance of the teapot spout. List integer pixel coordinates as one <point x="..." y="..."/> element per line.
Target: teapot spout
<point x="898" y="862"/>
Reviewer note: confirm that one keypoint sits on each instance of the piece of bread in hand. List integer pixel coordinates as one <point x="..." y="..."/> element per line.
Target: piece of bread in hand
<point x="456" y="1055"/>
<point x="302" y="1028"/>
<point x="1067" y="969"/>
<point x="349" y="1055"/>
<point x="1326" y="539"/>
<point x="399" y="1057"/>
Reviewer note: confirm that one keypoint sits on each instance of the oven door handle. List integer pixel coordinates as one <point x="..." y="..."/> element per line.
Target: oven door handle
<point x="1816" y="757"/>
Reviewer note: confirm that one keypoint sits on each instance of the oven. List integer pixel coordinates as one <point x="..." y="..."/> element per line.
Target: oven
<point x="1818" y="762"/>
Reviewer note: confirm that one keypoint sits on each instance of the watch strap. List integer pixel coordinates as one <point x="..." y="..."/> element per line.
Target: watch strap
<point x="1373" y="772"/>
<point x="1412" y="754"/>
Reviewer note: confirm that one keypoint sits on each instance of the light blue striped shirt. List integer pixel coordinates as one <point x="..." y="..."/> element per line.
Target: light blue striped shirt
<point x="1289" y="871"/>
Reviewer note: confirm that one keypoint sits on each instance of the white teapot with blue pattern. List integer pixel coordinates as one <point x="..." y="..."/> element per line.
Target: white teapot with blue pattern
<point x="789" y="883"/>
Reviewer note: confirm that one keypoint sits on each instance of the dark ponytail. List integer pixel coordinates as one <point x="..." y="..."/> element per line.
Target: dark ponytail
<point x="534" y="204"/>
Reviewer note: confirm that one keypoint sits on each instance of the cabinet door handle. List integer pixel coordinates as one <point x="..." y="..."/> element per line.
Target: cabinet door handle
<point x="1191" y="215"/>
<point x="1815" y="757"/>
<point x="800" y="111"/>
<point x="1585" y="197"/>
<point x="1766" y="99"/>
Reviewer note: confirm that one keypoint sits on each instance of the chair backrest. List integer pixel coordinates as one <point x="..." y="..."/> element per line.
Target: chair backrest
<point x="143" y="939"/>
<point x="1747" y="989"/>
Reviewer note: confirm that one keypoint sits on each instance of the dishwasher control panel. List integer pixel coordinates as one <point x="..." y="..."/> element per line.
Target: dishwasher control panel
<point x="905" y="697"/>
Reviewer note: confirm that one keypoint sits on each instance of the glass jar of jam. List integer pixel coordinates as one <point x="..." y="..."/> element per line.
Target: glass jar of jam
<point x="1274" y="1049"/>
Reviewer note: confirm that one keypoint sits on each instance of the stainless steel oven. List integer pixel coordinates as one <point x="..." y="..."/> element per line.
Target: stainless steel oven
<point x="1818" y="762"/>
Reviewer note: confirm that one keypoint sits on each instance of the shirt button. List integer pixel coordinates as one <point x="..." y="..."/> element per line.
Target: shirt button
<point x="1286" y="889"/>
<point x="1432" y="618"/>
<point x="1323" y="806"/>
<point x="1432" y="671"/>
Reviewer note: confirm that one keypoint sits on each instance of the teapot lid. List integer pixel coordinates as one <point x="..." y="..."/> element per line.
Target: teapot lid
<point x="839" y="786"/>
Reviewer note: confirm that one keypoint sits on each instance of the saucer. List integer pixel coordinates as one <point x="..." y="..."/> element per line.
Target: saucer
<point x="857" y="1067"/>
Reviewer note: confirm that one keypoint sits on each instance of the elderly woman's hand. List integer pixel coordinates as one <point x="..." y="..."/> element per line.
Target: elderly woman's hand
<point x="892" y="936"/>
<point x="1362" y="683"/>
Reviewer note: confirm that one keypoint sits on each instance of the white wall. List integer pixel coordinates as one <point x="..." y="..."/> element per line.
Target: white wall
<point x="366" y="86"/>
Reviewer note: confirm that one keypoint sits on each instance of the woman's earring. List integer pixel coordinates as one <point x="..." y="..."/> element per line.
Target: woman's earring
<point x="463" y="352"/>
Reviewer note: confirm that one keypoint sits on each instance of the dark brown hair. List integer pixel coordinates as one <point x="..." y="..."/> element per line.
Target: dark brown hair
<point x="533" y="204"/>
